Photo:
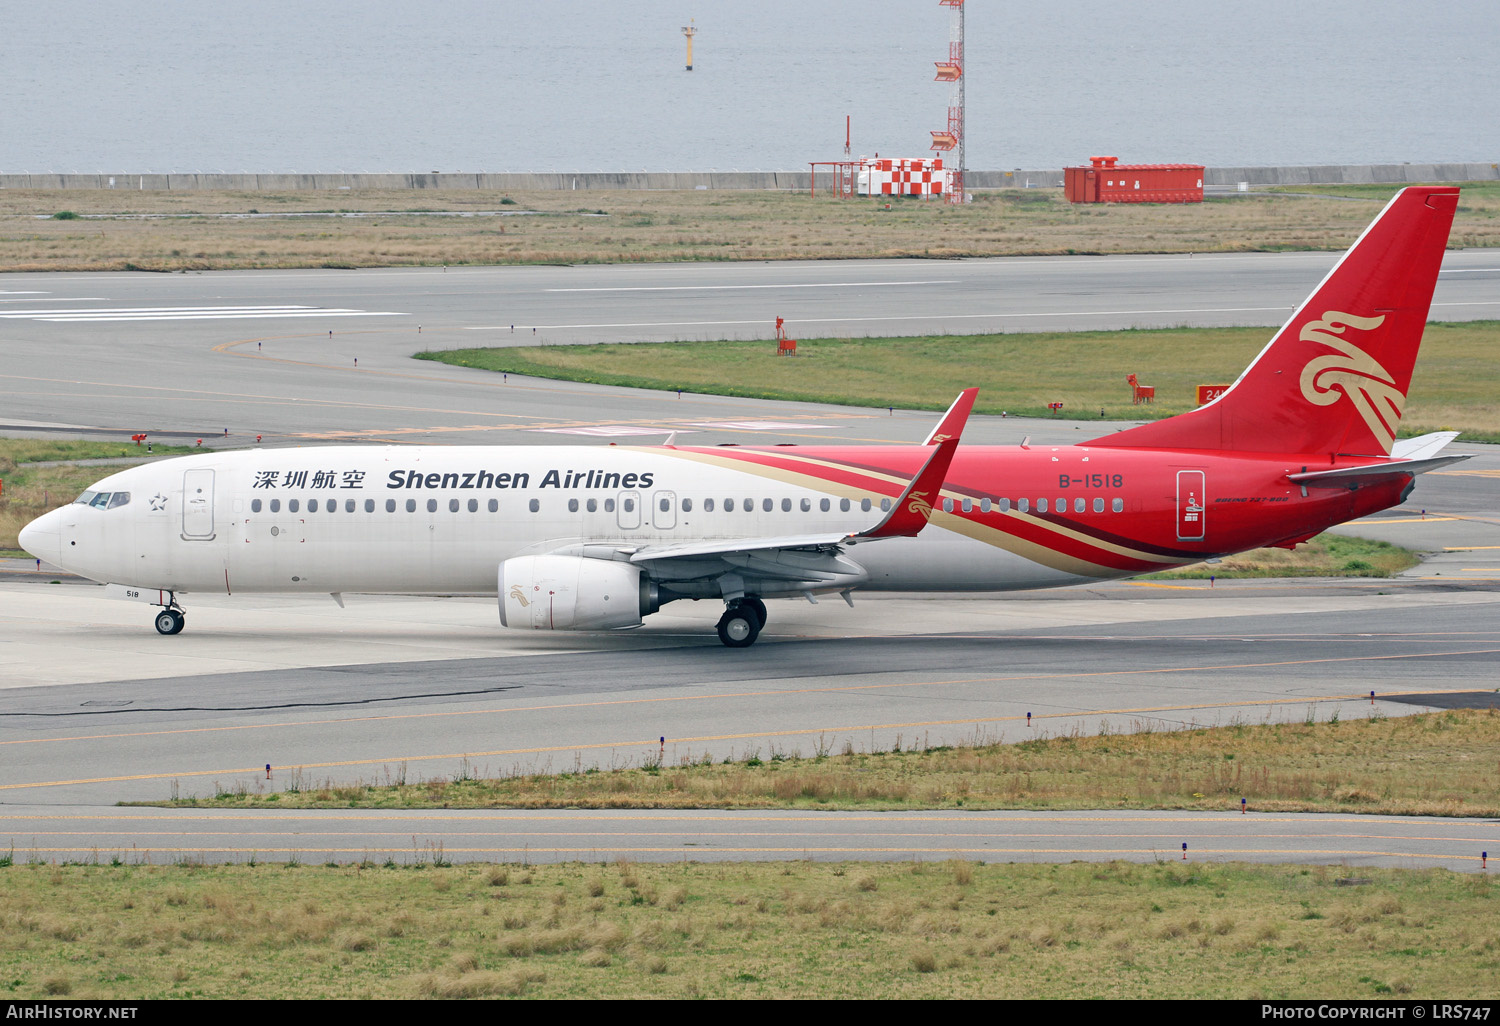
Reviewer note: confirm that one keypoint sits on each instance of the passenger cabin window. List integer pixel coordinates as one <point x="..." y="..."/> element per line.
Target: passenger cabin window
<point x="664" y="504"/>
<point x="1118" y="505"/>
<point x="452" y="505"/>
<point x="806" y="505"/>
<point x="390" y="505"/>
<point x="786" y="505"/>
<point x="572" y="505"/>
<point x="1004" y="505"/>
<point x="967" y="506"/>
<point x="254" y="505"/>
<point x="411" y="505"/>
<point x="494" y="505"/>
<point x="592" y="505"/>
<point x="885" y="505"/>
<point x="291" y="505"/>
<point x="536" y="505"/>
<point x="687" y="505"/>
<point x="312" y="505"/>
<point x="348" y="505"/>
<point x="984" y="505"/>
<point x="708" y="505"/>
<point x="1078" y="505"/>
<point x="473" y="505"/>
<point x="823" y="505"/>
<point x="765" y="504"/>
<point x="947" y="505"/>
<point x="432" y="505"/>
<point x="370" y="505"/>
<point x="1041" y="505"/>
<point x="864" y="505"/>
<point x="609" y="505"/>
<point x="843" y="505"/>
<point x="1023" y="505"/>
<point x="1098" y="505"/>
<point x="275" y="505"/>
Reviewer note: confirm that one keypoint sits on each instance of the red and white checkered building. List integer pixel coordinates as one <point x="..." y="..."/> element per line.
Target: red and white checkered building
<point x="897" y="177"/>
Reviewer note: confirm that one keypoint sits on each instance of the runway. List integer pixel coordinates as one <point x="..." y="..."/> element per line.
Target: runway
<point x="98" y="708"/>
<point x="272" y="354"/>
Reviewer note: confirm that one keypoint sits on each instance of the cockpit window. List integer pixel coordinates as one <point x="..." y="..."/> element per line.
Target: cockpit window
<point x="102" y="500"/>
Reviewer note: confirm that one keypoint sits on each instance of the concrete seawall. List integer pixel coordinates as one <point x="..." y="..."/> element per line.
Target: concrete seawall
<point x="779" y="181"/>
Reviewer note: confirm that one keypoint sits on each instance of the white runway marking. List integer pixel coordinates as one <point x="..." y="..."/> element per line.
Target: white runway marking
<point x="1284" y="311"/>
<point x="54" y="299"/>
<point x="188" y="313"/>
<point x="608" y="430"/>
<point x="731" y="288"/>
<point x="760" y="425"/>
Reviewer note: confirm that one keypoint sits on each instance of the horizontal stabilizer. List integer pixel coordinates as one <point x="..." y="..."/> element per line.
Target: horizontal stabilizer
<point x="1423" y="446"/>
<point x="1343" y="476"/>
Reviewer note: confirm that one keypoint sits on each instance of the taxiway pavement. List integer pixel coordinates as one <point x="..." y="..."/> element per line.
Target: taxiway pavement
<point x="98" y="708"/>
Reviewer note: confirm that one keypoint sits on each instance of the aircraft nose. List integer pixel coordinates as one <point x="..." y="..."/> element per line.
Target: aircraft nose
<point x="43" y="537"/>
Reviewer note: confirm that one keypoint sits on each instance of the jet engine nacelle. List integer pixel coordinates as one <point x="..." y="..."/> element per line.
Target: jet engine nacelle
<point x="574" y="593"/>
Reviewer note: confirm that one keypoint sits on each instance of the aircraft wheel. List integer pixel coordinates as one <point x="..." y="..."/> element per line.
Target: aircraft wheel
<point x="181" y="621"/>
<point x="751" y="602"/>
<point x="739" y="627"/>
<point x="169" y="621"/>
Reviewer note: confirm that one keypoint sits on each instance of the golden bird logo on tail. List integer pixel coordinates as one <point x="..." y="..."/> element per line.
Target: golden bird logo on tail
<point x="1352" y="372"/>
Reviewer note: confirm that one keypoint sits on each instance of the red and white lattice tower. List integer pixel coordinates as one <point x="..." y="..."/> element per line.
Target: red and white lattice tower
<point x="952" y="70"/>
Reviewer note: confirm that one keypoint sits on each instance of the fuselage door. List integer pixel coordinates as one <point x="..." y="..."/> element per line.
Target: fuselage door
<point x="198" y="505"/>
<point x="1191" y="505"/>
<point x="629" y="510"/>
<point x="664" y="510"/>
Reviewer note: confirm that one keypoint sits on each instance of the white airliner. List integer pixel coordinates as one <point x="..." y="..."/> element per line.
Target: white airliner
<point x="598" y="538"/>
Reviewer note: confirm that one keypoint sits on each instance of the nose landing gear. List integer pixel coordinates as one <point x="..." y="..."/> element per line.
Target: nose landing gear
<point x="170" y="620"/>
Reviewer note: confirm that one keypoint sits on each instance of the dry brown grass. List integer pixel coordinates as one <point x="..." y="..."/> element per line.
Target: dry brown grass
<point x="29" y="491"/>
<point x="891" y="930"/>
<point x="1432" y="764"/>
<point x="655" y="226"/>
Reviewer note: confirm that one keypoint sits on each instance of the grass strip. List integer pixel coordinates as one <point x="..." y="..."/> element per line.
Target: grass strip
<point x="122" y="229"/>
<point x="1454" y="387"/>
<point x="1433" y="764"/>
<point x="626" y="930"/>
<point x="1327" y="555"/>
<point x="29" y="490"/>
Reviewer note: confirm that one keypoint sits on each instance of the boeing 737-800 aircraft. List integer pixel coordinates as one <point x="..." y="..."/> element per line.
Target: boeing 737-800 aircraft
<point x="597" y="539"/>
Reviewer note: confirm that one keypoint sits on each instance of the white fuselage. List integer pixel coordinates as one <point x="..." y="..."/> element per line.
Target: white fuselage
<point x="440" y="520"/>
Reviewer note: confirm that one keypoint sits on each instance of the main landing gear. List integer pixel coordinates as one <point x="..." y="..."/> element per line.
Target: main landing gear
<point x="742" y="622"/>
<point x="170" y="620"/>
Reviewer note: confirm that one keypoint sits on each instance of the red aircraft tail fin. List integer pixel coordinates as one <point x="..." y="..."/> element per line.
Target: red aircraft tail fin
<point x="1334" y="378"/>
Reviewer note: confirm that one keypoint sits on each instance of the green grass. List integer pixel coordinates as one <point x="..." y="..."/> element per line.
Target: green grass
<point x="1438" y="763"/>
<point x="757" y="931"/>
<point x="1327" y="555"/>
<point x="1456" y="383"/>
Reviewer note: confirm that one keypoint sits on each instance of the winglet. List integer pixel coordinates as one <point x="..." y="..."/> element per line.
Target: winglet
<point x="913" y="509"/>
<point x="953" y="421"/>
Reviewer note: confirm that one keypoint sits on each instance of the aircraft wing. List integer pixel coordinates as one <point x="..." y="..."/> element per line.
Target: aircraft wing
<point x="818" y="557"/>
